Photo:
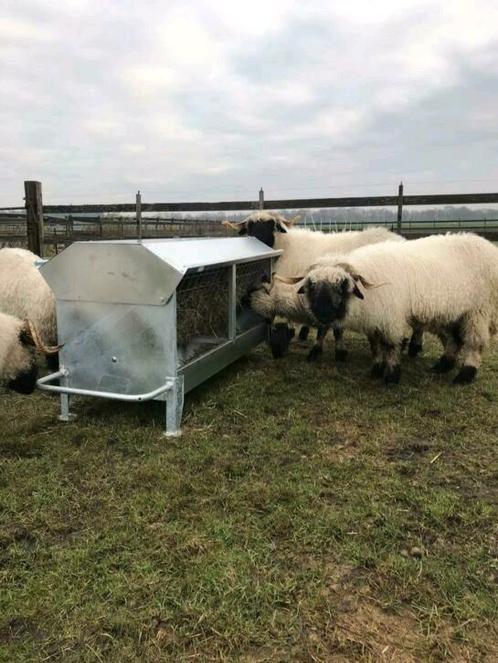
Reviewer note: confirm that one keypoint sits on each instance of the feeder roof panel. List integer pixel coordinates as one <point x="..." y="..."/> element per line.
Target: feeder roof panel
<point x="189" y="253"/>
<point x="141" y="272"/>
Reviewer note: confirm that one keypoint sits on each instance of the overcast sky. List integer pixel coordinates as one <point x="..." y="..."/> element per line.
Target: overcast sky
<point x="211" y="99"/>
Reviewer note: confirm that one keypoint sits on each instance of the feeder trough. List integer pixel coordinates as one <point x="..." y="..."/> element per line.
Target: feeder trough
<point x="152" y="319"/>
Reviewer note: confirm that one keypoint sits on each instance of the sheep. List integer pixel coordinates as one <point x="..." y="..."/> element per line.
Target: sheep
<point x="278" y="302"/>
<point x="24" y="293"/>
<point x="18" y="339"/>
<point x="446" y="283"/>
<point x="301" y="247"/>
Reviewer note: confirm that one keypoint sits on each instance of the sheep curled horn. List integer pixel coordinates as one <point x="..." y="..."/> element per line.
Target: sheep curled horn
<point x="32" y="337"/>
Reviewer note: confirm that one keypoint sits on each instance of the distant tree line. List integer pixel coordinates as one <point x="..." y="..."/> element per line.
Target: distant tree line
<point x="355" y="214"/>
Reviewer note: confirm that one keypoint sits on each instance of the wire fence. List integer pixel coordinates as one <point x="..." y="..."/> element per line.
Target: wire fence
<point x="64" y="230"/>
<point x="41" y="226"/>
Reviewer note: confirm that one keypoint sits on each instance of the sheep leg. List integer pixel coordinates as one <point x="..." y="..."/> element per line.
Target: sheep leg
<point x="340" y="351"/>
<point x="303" y="333"/>
<point x="317" y="350"/>
<point x="452" y="341"/>
<point x="280" y="338"/>
<point x="392" y="359"/>
<point x="415" y="345"/>
<point x="447" y="360"/>
<point x="475" y="340"/>
<point x="378" y="366"/>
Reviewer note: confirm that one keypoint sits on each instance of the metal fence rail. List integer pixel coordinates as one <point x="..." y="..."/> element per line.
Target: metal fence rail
<point x="59" y="225"/>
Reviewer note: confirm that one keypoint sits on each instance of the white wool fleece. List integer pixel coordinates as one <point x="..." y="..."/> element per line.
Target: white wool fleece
<point x="434" y="281"/>
<point x="301" y="249"/>
<point x="14" y="356"/>
<point x="24" y="293"/>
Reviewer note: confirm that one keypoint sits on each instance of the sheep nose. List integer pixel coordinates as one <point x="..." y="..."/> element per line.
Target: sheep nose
<point x="322" y="306"/>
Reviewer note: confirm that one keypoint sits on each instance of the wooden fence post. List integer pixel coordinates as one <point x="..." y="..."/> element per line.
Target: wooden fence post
<point x="261" y="198"/>
<point x="138" y="211"/>
<point x="34" y="216"/>
<point x="400" y="208"/>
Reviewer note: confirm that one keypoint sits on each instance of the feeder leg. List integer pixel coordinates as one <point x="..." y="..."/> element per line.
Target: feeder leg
<point x="65" y="415"/>
<point x="174" y="408"/>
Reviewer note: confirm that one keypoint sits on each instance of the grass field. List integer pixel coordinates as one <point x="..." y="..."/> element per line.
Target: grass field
<point x="306" y="514"/>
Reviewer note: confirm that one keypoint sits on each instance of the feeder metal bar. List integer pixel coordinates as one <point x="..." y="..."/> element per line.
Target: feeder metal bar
<point x="43" y="384"/>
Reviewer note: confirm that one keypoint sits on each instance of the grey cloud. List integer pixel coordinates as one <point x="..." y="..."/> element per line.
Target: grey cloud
<point x="62" y="90"/>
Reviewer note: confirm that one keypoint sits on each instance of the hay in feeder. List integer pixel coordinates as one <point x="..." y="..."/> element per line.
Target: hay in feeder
<point x="202" y="305"/>
<point x="250" y="275"/>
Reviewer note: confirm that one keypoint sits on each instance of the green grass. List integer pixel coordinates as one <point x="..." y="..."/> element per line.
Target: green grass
<point x="307" y="513"/>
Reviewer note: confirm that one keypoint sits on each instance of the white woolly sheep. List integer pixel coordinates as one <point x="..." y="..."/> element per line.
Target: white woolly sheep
<point x="24" y="293"/>
<point x="18" y="339"/>
<point x="301" y="248"/>
<point x="447" y="284"/>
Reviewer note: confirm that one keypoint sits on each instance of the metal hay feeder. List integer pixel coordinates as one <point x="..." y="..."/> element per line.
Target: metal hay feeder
<point x="152" y="319"/>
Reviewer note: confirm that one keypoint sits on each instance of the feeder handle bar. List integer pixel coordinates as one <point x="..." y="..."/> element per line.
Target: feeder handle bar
<point x="43" y="383"/>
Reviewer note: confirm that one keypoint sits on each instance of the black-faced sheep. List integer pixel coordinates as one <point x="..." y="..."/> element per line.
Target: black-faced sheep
<point x="301" y="248"/>
<point x="447" y="284"/>
<point x="18" y="340"/>
<point x="25" y="294"/>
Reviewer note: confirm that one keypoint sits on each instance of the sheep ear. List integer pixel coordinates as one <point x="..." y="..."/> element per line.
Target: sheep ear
<point x="233" y="225"/>
<point x="355" y="276"/>
<point x="25" y="337"/>
<point x="357" y="292"/>
<point x="280" y="226"/>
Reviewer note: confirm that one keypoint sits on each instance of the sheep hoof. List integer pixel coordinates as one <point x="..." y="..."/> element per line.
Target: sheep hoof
<point x="414" y="349"/>
<point x="466" y="375"/>
<point x="314" y="353"/>
<point x="444" y="364"/>
<point x="392" y="374"/>
<point x="377" y="370"/>
<point x="303" y="333"/>
<point x="341" y="354"/>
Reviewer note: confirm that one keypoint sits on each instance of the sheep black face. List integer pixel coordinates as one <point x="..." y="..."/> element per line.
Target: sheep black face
<point x="22" y="363"/>
<point x="262" y="225"/>
<point x="327" y="289"/>
<point x="327" y="301"/>
<point x="25" y="381"/>
<point x="263" y="230"/>
<point x="264" y="284"/>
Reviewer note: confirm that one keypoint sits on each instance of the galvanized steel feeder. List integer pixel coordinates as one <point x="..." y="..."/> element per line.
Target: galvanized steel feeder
<point x="152" y="319"/>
